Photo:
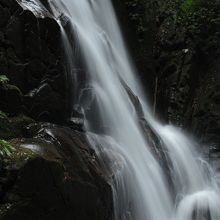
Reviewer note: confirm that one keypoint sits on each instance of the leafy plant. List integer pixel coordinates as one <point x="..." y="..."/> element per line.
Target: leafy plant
<point x="2" y="115"/>
<point x="3" y="79"/>
<point x="187" y="5"/>
<point x="4" y="123"/>
<point x="194" y="5"/>
<point x="6" y="149"/>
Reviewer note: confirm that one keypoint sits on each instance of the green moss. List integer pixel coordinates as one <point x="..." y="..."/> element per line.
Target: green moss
<point x="4" y="84"/>
<point x="19" y="157"/>
<point x="192" y="5"/>
<point x="3" y="115"/>
<point x="12" y="127"/>
<point x="4" y="124"/>
<point x="3" y="79"/>
<point x="187" y="5"/>
<point x="12" y="154"/>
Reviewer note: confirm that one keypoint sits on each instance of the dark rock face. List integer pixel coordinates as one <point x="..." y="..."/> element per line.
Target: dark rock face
<point x="138" y="24"/>
<point x="188" y="56"/>
<point x="52" y="173"/>
<point x="181" y="47"/>
<point x="60" y="178"/>
<point x="31" y="57"/>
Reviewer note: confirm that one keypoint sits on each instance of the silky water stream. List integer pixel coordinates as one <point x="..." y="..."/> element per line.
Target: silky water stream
<point x="183" y="186"/>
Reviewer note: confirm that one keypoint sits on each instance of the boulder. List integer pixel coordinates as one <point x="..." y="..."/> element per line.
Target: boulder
<point x="54" y="174"/>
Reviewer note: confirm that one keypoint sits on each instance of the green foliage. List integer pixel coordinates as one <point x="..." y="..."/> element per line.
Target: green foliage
<point x="2" y="115"/>
<point x="3" y="79"/>
<point x="187" y="5"/>
<point x="6" y="149"/>
<point x="192" y="5"/>
<point x="13" y="127"/>
<point x="12" y="154"/>
<point x="4" y="122"/>
<point x="19" y="156"/>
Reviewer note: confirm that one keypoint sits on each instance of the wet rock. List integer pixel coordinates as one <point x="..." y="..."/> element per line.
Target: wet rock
<point x="11" y="99"/>
<point x="188" y="56"/>
<point x="36" y="7"/>
<point x="76" y="124"/>
<point x="177" y="52"/>
<point x="45" y="103"/>
<point x="138" y="23"/>
<point x="14" y="34"/>
<point x="90" y="109"/>
<point x="31" y="55"/>
<point x="60" y="178"/>
<point x="136" y="102"/>
<point x="13" y="127"/>
<point x="4" y="16"/>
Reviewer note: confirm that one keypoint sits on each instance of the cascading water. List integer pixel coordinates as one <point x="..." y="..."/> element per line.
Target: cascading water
<point x="140" y="185"/>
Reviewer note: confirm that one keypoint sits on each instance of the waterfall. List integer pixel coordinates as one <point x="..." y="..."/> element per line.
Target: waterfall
<point x="180" y="185"/>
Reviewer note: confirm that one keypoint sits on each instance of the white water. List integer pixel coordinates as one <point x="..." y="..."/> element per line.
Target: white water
<point x="140" y="186"/>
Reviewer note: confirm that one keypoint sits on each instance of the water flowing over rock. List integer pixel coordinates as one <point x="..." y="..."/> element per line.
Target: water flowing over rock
<point x="140" y="183"/>
<point x="111" y="159"/>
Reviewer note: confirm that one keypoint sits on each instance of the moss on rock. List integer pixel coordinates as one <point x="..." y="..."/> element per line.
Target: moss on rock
<point x="12" y="127"/>
<point x="12" y="158"/>
<point x="19" y="156"/>
<point x="53" y="175"/>
<point x="3" y="79"/>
